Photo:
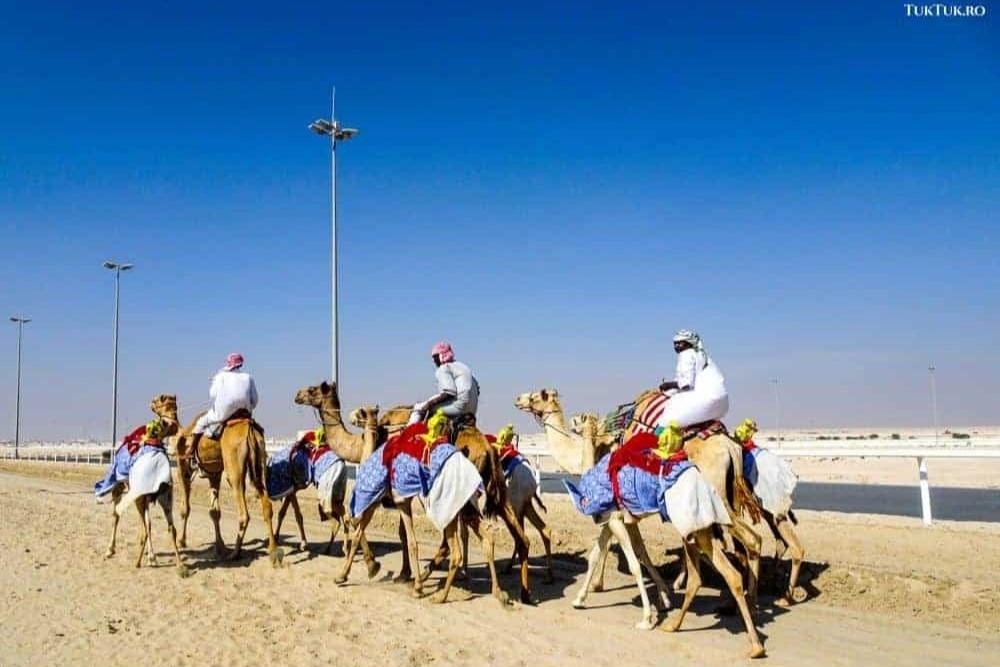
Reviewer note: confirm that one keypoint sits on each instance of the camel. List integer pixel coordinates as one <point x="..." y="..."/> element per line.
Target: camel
<point x="164" y="406"/>
<point x="470" y="441"/>
<point x="238" y="452"/>
<point x="351" y="447"/>
<point x="720" y="460"/>
<point x="575" y="457"/>
<point x="468" y="517"/>
<point x="704" y="542"/>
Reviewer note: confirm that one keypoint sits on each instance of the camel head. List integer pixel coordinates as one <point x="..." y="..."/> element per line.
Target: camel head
<point x="365" y="417"/>
<point x="317" y="396"/>
<point x="586" y="425"/>
<point x="539" y="403"/>
<point x="164" y="406"/>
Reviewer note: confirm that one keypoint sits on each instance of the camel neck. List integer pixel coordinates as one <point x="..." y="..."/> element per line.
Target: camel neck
<point x="567" y="452"/>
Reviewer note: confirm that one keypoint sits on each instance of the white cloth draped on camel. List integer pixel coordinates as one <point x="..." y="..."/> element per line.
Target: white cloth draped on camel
<point x="772" y="479"/>
<point x="455" y="481"/>
<point x="332" y="484"/>
<point x="149" y="473"/>
<point x="522" y="484"/>
<point x="693" y="504"/>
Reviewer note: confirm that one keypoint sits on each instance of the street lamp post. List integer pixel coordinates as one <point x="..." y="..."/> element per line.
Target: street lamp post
<point x="777" y="410"/>
<point x="934" y="409"/>
<point x="333" y="129"/>
<point x="20" y="320"/>
<point x="118" y="268"/>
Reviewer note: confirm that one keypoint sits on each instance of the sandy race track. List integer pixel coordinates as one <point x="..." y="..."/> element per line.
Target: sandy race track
<point x="882" y="589"/>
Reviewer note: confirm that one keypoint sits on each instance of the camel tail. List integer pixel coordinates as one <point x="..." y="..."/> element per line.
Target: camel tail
<point x="496" y="485"/>
<point x="257" y="455"/>
<point x="537" y="499"/>
<point x="743" y="500"/>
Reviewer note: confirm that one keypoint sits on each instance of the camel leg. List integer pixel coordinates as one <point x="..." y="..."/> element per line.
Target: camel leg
<point x="142" y="505"/>
<point x="513" y="552"/>
<point x="598" y="585"/>
<point x="454" y="560"/>
<point x="523" y="544"/>
<point x="463" y="531"/>
<point x="411" y="547"/>
<point x="150" y="551"/>
<point x="335" y="524"/>
<point x="281" y="512"/>
<point x="484" y="532"/>
<point x="621" y="532"/>
<point x="692" y="565"/>
<point x="751" y="542"/>
<point x="184" y="481"/>
<point x="783" y="529"/>
<point x="235" y="463"/>
<point x="303" y="544"/>
<point x="116" y="495"/>
<point x="166" y="502"/>
<point x="593" y="564"/>
<point x="679" y="581"/>
<point x="662" y="598"/>
<point x="546" y="534"/>
<point x="360" y="524"/>
<point x="215" y="513"/>
<point x="444" y="550"/>
<point x="405" y="571"/>
<point x="713" y="546"/>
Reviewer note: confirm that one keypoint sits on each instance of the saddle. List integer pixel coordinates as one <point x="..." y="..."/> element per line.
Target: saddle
<point x="242" y="416"/>
<point x="704" y="430"/>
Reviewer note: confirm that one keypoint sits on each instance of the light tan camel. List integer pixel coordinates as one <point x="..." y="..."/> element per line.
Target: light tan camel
<point x="239" y="452"/>
<point x="164" y="406"/>
<point x="704" y="542"/>
<point x="576" y="456"/>
<point x="470" y="517"/>
<point x="352" y="448"/>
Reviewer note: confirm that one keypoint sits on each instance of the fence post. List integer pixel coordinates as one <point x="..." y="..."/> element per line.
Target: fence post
<point x="925" y="490"/>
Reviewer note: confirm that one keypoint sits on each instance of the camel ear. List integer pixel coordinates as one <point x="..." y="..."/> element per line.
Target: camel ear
<point x="544" y="394"/>
<point x="553" y="393"/>
<point x="324" y="387"/>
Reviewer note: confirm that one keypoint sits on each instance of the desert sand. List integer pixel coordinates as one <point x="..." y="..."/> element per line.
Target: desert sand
<point x="881" y="589"/>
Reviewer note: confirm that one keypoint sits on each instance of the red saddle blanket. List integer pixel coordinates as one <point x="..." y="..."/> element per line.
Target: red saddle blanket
<point x="639" y="452"/>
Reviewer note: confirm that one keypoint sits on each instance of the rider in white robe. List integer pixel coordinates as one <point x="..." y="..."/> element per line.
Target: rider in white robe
<point x="698" y="390"/>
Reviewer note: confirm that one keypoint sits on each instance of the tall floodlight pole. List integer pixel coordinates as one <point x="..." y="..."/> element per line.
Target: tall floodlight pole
<point x="333" y="129"/>
<point x="777" y="410"/>
<point x="934" y="409"/>
<point x="20" y="320"/>
<point x="117" y="267"/>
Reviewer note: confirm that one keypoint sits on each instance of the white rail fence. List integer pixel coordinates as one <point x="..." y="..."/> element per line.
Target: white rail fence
<point x="536" y="450"/>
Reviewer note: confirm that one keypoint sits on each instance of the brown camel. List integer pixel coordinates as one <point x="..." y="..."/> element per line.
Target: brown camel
<point x="352" y="447"/>
<point x="164" y="406"/>
<point x="470" y="441"/>
<point x="701" y="543"/>
<point x="240" y="451"/>
<point x="469" y="518"/>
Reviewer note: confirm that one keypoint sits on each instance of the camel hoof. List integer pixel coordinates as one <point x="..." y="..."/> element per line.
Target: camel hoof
<point x="417" y="594"/>
<point x="526" y="597"/>
<point x="503" y="598"/>
<point x="645" y="624"/>
<point x="373" y="569"/>
<point x="303" y="546"/>
<point x="340" y="579"/>
<point x="670" y="627"/>
<point x="109" y="553"/>
<point x="578" y="603"/>
<point x="403" y="578"/>
<point x="183" y="571"/>
<point x="799" y="595"/>
<point x="425" y="573"/>
<point x="439" y="599"/>
<point x="757" y="652"/>
<point x="597" y="588"/>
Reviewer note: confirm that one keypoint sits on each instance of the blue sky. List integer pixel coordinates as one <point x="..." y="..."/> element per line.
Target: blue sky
<point x="554" y="187"/>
